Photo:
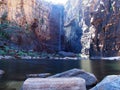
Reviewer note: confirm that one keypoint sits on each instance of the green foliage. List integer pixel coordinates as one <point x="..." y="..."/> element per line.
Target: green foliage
<point x="11" y="53"/>
<point x="2" y="52"/>
<point x="32" y="54"/>
<point x="22" y="53"/>
<point x="4" y="35"/>
<point x="4" y="24"/>
<point x="6" y="48"/>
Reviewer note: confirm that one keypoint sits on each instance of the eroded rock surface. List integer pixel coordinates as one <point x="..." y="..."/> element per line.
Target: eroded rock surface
<point x="90" y="79"/>
<point x="78" y="29"/>
<point x="96" y="23"/>
<point x="44" y="19"/>
<point x="105" y="21"/>
<point x="54" y="84"/>
<point x="108" y="83"/>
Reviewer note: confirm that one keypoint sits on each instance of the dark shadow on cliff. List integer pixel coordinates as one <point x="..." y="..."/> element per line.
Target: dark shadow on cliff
<point x="73" y="34"/>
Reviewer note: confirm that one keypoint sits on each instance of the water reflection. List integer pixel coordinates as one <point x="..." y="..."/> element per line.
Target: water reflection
<point x="103" y="68"/>
<point x="10" y="85"/>
<point x="16" y="70"/>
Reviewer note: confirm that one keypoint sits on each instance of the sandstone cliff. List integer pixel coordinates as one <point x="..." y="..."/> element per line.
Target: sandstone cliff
<point x="105" y="21"/>
<point x="77" y="24"/>
<point x="92" y="27"/>
<point x="44" y="19"/>
<point x="72" y="30"/>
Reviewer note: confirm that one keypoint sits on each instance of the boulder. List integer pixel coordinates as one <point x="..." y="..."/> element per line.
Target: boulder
<point x="54" y="84"/>
<point x="90" y="79"/>
<point x="1" y="73"/>
<point x="111" y="82"/>
<point x="67" y="54"/>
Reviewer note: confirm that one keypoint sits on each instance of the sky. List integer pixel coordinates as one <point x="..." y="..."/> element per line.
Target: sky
<point x="58" y="1"/>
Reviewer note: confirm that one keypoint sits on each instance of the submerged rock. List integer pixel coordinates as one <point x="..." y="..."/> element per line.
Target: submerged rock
<point x="54" y="84"/>
<point x="1" y="73"/>
<point x="43" y="75"/>
<point x="90" y="79"/>
<point x="111" y="82"/>
<point x="67" y="54"/>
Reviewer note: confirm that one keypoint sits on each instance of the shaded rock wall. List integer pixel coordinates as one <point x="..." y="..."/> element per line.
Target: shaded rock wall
<point x="94" y="23"/>
<point x="72" y="30"/>
<point x="50" y="32"/>
<point x="77" y="24"/>
<point x="105" y="21"/>
<point x="44" y="19"/>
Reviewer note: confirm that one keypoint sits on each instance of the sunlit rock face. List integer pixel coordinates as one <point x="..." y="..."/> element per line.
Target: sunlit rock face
<point x="21" y="11"/>
<point x="88" y="6"/>
<point x="105" y="21"/>
<point x="3" y="7"/>
<point x="44" y="19"/>
<point x="50" y="28"/>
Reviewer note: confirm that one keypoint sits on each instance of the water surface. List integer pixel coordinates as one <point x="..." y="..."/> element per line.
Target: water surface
<point x="16" y="70"/>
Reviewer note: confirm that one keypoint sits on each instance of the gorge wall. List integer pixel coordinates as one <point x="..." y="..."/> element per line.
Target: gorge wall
<point x="95" y="25"/>
<point x="106" y="22"/>
<point x="77" y="24"/>
<point x="72" y="30"/>
<point x="44" y="19"/>
<point x="90" y="27"/>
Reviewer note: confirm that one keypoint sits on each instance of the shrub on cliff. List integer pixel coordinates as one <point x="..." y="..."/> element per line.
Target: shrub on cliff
<point x="3" y="25"/>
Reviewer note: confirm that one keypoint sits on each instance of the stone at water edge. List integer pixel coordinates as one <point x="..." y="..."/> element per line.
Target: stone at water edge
<point x="90" y="78"/>
<point x="67" y="54"/>
<point x="41" y="75"/>
<point x="1" y="73"/>
<point x="54" y="84"/>
<point x="111" y="82"/>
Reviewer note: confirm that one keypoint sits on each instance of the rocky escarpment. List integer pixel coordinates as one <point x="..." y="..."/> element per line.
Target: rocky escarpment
<point x="93" y="27"/>
<point x="72" y="30"/>
<point x="90" y="26"/>
<point x="43" y="19"/>
<point x="77" y="24"/>
<point x="105" y="21"/>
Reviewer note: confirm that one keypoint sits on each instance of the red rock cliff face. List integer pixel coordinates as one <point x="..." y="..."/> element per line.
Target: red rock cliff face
<point x="94" y="23"/>
<point x="43" y="18"/>
<point x="106" y="23"/>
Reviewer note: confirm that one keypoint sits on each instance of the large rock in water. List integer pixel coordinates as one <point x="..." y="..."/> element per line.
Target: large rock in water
<point x="90" y="79"/>
<point x="111" y="82"/>
<point x="54" y="84"/>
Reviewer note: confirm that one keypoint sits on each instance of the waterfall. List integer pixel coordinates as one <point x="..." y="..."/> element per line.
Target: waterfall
<point x="60" y="31"/>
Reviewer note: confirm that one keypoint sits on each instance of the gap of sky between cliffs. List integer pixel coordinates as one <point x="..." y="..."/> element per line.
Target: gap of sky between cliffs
<point x="57" y="1"/>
